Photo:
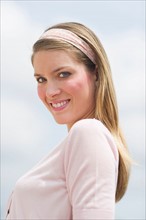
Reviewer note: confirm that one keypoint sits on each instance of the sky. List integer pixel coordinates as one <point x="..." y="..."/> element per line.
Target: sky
<point x="28" y="130"/>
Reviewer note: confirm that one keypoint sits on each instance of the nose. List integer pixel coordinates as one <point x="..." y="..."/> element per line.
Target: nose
<point x="52" y="91"/>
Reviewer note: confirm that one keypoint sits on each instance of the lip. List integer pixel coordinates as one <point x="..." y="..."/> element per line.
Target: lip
<point x="62" y="104"/>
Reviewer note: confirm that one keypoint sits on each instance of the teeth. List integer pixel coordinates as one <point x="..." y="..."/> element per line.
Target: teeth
<point x="59" y="104"/>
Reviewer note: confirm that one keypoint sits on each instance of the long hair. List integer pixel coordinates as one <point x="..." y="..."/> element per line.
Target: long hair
<point x="106" y="109"/>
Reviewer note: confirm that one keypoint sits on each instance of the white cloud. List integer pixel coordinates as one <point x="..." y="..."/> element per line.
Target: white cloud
<point x="126" y="52"/>
<point x="12" y="19"/>
<point x="19" y="122"/>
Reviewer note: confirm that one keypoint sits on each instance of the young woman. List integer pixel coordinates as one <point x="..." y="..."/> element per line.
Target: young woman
<point x="88" y="172"/>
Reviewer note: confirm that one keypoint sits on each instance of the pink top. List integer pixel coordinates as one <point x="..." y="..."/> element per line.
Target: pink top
<point x="77" y="180"/>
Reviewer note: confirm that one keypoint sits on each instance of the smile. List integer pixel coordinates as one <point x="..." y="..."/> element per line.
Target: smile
<point x="60" y="105"/>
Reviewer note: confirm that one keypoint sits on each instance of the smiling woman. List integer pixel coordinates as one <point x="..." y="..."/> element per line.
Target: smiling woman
<point x="88" y="172"/>
<point x="68" y="92"/>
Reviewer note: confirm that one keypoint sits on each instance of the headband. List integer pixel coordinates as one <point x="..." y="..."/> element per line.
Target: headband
<point x="70" y="37"/>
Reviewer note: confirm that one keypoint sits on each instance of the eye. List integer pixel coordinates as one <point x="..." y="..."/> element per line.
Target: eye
<point x="40" y="79"/>
<point x="64" y="74"/>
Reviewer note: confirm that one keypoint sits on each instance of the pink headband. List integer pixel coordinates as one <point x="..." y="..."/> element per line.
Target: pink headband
<point x="70" y="37"/>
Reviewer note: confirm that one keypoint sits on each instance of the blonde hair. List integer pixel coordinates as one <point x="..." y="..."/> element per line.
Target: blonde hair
<point x="106" y="109"/>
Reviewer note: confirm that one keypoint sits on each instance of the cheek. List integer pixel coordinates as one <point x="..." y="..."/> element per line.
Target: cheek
<point x="76" y="85"/>
<point x="80" y="86"/>
<point x="84" y="90"/>
<point x="41" y="93"/>
<point x="73" y="88"/>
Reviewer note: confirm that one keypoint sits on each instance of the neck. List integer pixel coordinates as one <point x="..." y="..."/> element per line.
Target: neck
<point x="90" y="114"/>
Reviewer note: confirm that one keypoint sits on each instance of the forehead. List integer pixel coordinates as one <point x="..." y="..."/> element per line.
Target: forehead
<point x="45" y="60"/>
<point x="51" y="56"/>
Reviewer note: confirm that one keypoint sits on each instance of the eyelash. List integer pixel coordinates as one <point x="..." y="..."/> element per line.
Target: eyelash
<point x="64" y="75"/>
<point x="42" y="79"/>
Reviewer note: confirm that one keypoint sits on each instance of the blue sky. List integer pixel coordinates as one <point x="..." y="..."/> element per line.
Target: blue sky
<point x="28" y="130"/>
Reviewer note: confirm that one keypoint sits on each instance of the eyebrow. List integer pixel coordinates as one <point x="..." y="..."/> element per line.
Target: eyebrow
<point x="54" y="71"/>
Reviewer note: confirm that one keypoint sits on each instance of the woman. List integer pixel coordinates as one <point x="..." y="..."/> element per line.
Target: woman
<point x="86" y="173"/>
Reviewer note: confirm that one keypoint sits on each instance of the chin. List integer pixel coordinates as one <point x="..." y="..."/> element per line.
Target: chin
<point x="62" y="120"/>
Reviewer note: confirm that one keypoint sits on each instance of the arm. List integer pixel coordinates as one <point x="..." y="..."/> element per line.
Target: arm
<point x="91" y="171"/>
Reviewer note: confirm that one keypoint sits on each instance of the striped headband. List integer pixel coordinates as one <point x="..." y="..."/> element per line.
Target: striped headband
<point x="70" y="37"/>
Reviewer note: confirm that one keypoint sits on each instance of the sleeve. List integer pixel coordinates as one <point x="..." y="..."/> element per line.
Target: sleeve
<point x="91" y="172"/>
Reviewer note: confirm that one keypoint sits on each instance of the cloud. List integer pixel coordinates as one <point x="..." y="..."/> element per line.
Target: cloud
<point x="126" y="52"/>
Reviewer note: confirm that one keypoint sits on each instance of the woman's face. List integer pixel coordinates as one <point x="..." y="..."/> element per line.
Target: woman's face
<point x="65" y="86"/>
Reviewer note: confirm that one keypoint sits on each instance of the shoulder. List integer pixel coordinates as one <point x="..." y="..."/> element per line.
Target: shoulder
<point x="87" y="134"/>
<point x="89" y="126"/>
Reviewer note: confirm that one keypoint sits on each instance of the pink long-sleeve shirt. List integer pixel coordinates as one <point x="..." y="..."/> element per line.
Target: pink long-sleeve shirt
<point x="77" y="180"/>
